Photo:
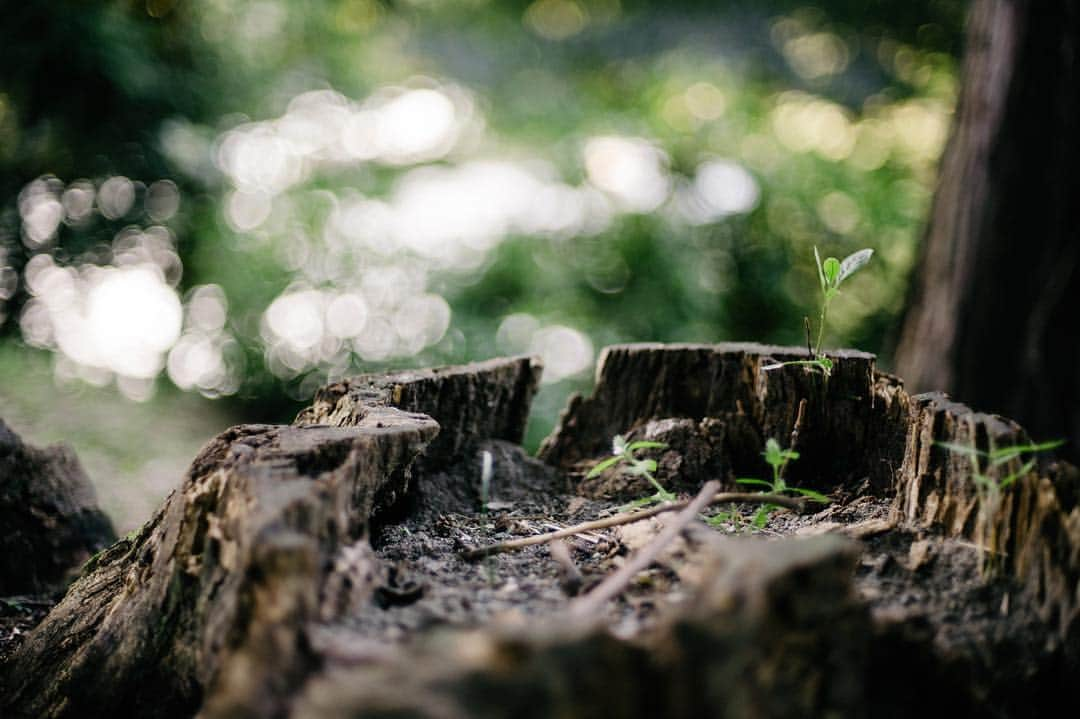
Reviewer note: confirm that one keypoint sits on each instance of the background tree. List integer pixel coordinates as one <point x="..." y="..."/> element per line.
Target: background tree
<point x="993" y="314"/>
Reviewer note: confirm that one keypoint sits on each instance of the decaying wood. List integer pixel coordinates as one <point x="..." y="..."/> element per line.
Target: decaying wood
<point x="724" y="383"/>
<point x="49" y="515"/>
<point x="233" y="559"/>
<point x="257" y="590"/>
<point x="483" y="400"/>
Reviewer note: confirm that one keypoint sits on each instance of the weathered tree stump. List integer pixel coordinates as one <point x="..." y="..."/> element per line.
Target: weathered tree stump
<point x="49" y="514"/>
<point x="317" y="570"/>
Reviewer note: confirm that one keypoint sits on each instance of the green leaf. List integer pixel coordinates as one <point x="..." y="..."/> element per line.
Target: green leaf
<point x="1004" y="454"/>
<point x="634" y="446"/>
<point x="752" y="480"/>
<point x="601" y="466"/>
<point x="820" y="271"/>
<point x="852" y="263"/>
<point x="718" y="519"/>
<point x="831" y="268"/>
<point x="642" y="467"/>
<point x="772" y="452"/>
<point x="1022" y="472"/>
<point x="810" y="494"/>
<point x="761" y="516"/>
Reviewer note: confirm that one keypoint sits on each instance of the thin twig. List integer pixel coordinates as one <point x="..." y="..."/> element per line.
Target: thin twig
<point x="626" y="518"/>
<point x="570" y="576"/>
<point x="616" y="583"/>
<point x="800" y="416"/>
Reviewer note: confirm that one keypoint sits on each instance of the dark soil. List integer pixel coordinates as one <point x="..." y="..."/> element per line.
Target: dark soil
<point x="18" y="615"/>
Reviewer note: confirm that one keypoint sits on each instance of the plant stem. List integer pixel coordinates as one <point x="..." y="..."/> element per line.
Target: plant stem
<point x="821" y="326"/>
<point x="659" y="487"/>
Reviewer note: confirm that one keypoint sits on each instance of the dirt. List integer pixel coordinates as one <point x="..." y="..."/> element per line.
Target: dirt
<point x="907" y="579"/>
<point x="18" y="615"/>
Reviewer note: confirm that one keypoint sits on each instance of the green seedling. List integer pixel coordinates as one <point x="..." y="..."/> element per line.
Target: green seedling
<point x="998" y="456"/>
<point x="831" y="273"/>
<point x="622" y="454"/>
<point x="778" y="459"/>
<point x="990" y="471"/>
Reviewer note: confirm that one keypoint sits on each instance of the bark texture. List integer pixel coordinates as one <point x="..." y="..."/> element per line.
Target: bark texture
<point x="724" y="385"/>
<point x="992" y="316"/>
<point x="49" y="514"/>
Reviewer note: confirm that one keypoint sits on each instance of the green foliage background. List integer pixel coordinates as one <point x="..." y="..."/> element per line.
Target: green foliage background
<point x="109" y="87"/>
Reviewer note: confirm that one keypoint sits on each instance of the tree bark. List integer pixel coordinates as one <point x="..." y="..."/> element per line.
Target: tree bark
<point x="992" y="315"/>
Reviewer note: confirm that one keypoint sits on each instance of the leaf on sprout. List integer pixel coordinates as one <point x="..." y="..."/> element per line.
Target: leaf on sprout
<point x="1023" y="471"/>
<point x="831" y="268"/>
<point x="634" y="446"/>
<point x="761" y="516"/>
<point x="1004" y="454"/>
<point x="752" y="480"/>
<point x="810" y="494"/>
<point x="718" y="519"/>
<point x="774" y="456"/>
<point x="641" y="467"/>
<point x="852" y="263"/>
<point x="618" y="444"/>
<point x="601" y="466"/>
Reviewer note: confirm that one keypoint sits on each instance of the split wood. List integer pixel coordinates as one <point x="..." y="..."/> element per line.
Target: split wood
<point x="628" y="517"/>
<point x="611" y="587"/>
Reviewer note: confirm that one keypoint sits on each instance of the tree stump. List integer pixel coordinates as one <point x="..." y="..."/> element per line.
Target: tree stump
<point x="49" y="513"/>
<point x="318" y="571"/>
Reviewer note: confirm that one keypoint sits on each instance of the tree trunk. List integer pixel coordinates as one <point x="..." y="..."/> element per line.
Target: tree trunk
<point x="992" y="317"/>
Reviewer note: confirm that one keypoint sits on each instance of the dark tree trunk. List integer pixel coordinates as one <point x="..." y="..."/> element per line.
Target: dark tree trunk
<point x="992" y="318"/>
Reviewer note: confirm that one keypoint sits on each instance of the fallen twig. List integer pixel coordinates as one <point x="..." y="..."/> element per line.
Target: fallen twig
<point x="571" y="578"/>
<point x="627" y="517"/>
<point x="616" y="583"/>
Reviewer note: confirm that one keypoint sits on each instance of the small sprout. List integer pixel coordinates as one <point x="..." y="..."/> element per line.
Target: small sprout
<point x="988" y="489"/>
<point x="777" y="458"/>
<point x="831" y="273"/>
<point x="622" y="453"/>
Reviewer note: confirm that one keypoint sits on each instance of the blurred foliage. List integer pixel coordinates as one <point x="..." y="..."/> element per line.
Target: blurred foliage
<point x="837" y="111"/>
